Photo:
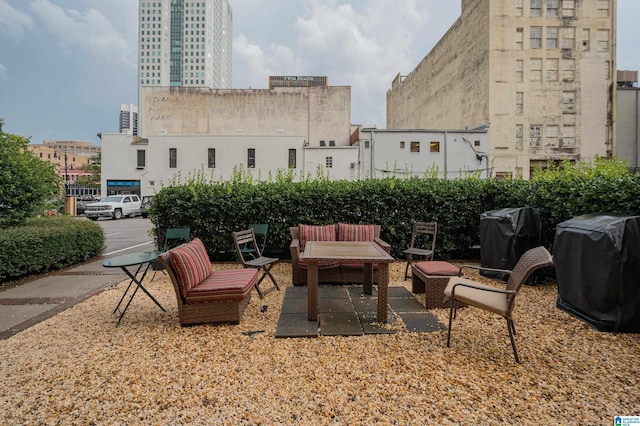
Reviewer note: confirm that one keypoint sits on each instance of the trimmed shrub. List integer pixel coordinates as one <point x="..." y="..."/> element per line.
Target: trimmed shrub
<point x="46" y="244"/>
<point x="213" y="210"/>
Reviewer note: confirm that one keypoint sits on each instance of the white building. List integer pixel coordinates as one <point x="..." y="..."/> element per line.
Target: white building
<point x="423" y="153"/>
<point x="185" y="43"/>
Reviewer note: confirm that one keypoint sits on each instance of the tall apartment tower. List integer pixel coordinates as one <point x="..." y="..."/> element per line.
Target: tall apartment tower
<point x="185" y="43"/>
<point x="539" y="73"/>
<point x="129" y="119"/>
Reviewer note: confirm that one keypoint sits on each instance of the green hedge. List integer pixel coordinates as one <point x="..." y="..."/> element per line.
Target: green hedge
<point x="46" y="244"/>
<point x="213" y="210"/>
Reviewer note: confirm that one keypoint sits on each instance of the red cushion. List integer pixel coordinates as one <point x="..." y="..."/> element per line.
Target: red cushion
<point x="352" y="232"/>
<point x="231" y="284"/>
<point x="316" y="233"/>
<point x="191" y="263"/>
<point x="437" y="267"/>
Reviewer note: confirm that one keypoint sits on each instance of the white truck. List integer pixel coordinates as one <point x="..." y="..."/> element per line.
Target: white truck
<point x="114" y="206"/>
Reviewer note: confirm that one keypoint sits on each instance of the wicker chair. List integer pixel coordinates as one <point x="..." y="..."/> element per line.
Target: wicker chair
<point x="221" y="297"/>
<point x="493" y="299"/>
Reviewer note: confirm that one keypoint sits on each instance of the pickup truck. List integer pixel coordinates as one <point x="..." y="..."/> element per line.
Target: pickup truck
<point x="114" y="206"/>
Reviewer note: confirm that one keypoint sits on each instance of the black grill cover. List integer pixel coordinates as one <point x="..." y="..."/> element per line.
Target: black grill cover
<point x="505" y="235"/>
<point x="597" y="260"/>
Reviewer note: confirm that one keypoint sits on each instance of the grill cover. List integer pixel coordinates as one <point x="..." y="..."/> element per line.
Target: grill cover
<point x="505" y="235"/>
<point x="597" y="261"/>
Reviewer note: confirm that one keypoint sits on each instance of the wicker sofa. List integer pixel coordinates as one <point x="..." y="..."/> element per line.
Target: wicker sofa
<point x="205" y="295"/>
<point x="332" y="272"/>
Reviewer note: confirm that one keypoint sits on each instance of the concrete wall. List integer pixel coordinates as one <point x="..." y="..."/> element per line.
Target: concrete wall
<point x="627" y="137"/>
<point x="315" y="114"/>
<point x="271" y="155"/>
<point x="385" y="153"/>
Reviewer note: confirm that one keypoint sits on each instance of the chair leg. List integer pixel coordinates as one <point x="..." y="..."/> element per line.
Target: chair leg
<point x="451" y="302"/>
<point x="406" y="270"/>
<point x="266" y="272"/>
<point x="512" y="331"/>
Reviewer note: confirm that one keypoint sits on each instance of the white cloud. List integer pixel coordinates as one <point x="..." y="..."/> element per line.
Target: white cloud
<point x="3" y="71"/>
<point x="252" y="66"/>
<point x="13" y="23"/>
<point x="90" y="30"/>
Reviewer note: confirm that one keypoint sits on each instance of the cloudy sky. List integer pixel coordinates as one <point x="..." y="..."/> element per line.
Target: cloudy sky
<point x="66" y="66"/>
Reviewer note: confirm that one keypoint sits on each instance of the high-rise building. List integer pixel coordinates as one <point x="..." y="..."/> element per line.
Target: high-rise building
<point x="539" y="74"/>
<point x="185" y="43"/>
<point x="129" y="119"/>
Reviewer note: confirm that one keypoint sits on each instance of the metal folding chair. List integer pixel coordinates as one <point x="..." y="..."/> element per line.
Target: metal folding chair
<point x="247" y="238"/>
<point x="423" y="243"/>
<point x="172" y="237"/>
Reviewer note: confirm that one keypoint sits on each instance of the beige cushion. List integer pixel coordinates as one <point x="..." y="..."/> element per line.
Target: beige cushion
<point x="488" y="300"/>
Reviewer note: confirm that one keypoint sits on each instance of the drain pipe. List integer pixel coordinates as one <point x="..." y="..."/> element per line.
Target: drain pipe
<point x="445" y="155"/>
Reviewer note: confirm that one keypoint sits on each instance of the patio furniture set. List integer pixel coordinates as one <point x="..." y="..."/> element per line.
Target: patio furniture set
<point x="335" y="253"/>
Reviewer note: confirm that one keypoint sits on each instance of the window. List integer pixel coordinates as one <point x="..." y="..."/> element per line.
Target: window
<point x="323" y="143"/>
<point x="552" y="37"/>
<point x="586" y="39"/>
<point x="568" y="69"/>
<point x="328" y="162"/>
<point x="519" y="70"/>
<point x="603" y="40"/>
<point x="415" y="146"/>
<point x="568" y="136"/>
<point x="603" y="8"/>
<point x="568" y="102"/>
<point x="519" y="103"/>
<point x="535" y="8"/>
<point x="519" y="7"/>
<point x="535" y="133"/>
<point x="292" y="158"/>
<point x="401" y="144"/>
<point x="568" y="8"/>
<point x="173" y="158"/>
<point x="535" y="38"/>
<point x="366" y="144"/>
<point x="552" y="7"/>
<point x="251" y="158"/>
<point x="536" y="69"/>
<point x="434" y="146"/>
<point x="332" y="143"/>
<point x="141" y="159"/>
<point x="211" y="158"/>
<point x="552" y="69"/>
<point x="520" y="38"/>
<point x="568" y="38"/>
<point x="552" y="136"/>
<point x="519" y="135"/>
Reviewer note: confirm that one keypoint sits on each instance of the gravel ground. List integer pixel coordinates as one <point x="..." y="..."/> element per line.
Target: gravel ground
<point x="77" y="368"/>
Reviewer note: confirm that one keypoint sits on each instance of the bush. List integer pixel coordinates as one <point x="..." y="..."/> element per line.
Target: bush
<point x="47" y="244"/>
<point x="213" y="210"/>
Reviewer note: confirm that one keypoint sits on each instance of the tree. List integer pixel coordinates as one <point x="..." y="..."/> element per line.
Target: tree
<point x="26" y="181"/>
<point x="94" y="169"/>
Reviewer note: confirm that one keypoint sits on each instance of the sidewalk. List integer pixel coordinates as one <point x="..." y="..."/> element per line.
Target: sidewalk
<point x="30" y="301"/>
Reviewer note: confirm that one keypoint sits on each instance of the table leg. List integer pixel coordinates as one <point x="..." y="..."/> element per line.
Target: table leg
<point x="383" y="285"/>
<point x="312" y="291"/>
<point x="139" y="285"/>
<point x="367" y="284"/>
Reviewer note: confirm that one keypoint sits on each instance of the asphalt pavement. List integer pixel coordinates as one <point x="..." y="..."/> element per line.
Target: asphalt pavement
<point x="30" y="301"/>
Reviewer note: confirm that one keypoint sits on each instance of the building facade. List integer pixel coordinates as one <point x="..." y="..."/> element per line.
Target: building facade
<point x="445" y="154"/>
<point x="70" y="158"/>
<point x="320" y="115"/>
<point x="628" y="119"/>
<point x="128" y="119"/>
<point x="185" y="43"/>
<point x="540" y="74"/>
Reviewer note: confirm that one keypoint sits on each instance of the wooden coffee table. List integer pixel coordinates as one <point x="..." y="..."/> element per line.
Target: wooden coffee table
<point x="348" y="251"/>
